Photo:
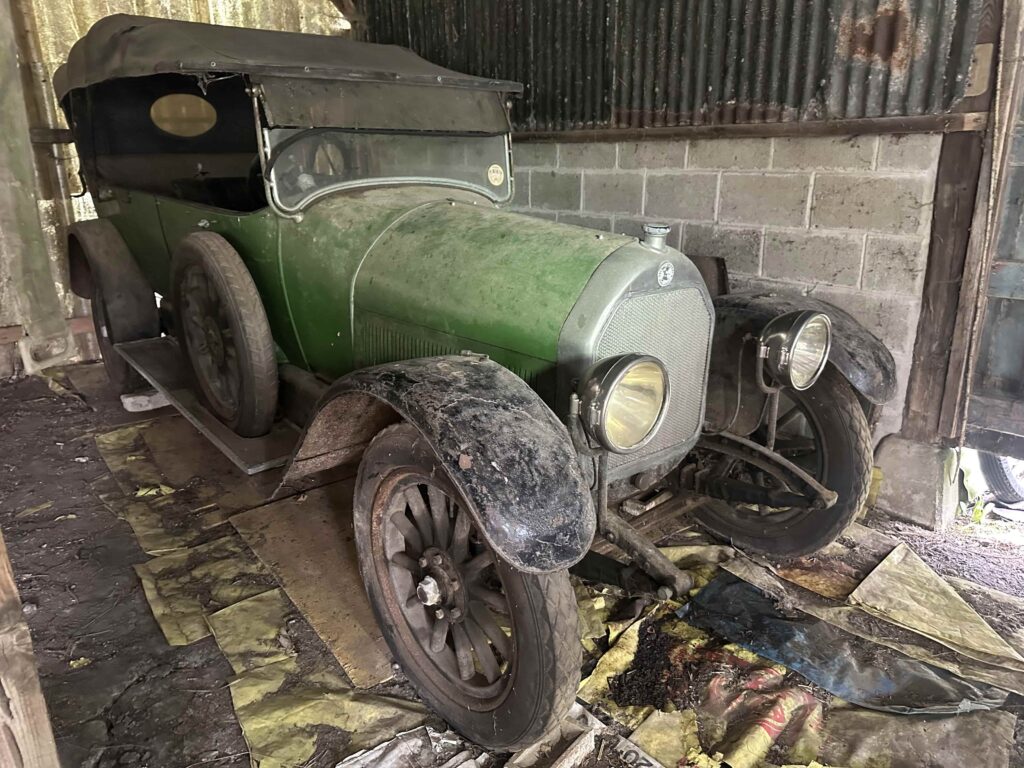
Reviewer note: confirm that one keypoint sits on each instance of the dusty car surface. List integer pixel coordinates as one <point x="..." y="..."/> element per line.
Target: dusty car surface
<point x="314" y="211"/>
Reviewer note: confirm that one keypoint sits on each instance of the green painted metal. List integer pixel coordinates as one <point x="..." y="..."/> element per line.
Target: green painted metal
<point x="480" y="274"/>
<point x="137" y="220"/>
<point x="373" y="276"/>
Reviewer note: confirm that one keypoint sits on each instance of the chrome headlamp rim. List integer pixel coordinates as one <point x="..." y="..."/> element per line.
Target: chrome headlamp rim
<point x="781" y="336"/>
<point x="596" y="387"/>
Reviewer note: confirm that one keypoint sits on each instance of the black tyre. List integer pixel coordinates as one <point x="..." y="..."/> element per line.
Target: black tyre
<point x="223" y="330"/>
<point x="824" y="431"/>
<point x="123" y="377"/>
<point x="1005" y="477"/>
<point x="123" y="305"/>
<point x="492" y="650"/>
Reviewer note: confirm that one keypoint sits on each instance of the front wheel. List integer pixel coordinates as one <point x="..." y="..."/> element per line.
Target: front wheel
<point x="494" y="651"/>
<point x="824" y="431"/>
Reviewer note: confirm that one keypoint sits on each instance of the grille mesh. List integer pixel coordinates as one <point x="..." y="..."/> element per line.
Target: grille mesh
<point x="675" y="327"/>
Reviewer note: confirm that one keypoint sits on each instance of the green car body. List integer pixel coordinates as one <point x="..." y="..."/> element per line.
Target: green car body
<point x="366" y="206"/>
<point x="373" y="276"/>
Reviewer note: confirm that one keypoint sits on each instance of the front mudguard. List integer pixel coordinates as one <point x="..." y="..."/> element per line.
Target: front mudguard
<point x="503" y="448"/>
<point x="856" y="353"/>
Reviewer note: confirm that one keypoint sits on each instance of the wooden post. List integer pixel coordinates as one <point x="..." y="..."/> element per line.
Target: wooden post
<point x="26" y="739"/>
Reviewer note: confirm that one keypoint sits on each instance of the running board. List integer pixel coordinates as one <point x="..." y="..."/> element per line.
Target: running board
<point x="159" y="361"/>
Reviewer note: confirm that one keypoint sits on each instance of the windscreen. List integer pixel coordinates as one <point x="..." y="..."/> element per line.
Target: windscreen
<point x="305" y="164"/>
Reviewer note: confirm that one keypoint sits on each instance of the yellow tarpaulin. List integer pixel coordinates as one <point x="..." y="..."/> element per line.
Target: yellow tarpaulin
<point x="288" y="713"/>
<point x="184" y="587"/>
<point x="254" y="632"/>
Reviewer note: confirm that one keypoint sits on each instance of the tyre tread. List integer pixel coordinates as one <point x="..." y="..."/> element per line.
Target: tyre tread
<point x="245" y="303"/>
<point x="999" y="478"/>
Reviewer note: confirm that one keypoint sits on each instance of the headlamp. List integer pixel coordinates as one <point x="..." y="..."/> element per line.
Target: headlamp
<point x="795" y="347"/>
<point x="623" y="400"/>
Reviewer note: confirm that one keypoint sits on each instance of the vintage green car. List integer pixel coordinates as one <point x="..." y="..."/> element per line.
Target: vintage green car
<point x="317" y="222"/>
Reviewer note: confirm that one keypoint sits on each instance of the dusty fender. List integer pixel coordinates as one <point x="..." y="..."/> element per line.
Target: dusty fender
<point x="502" y="446"/>
<point x="98" y="255"/>
<point x="858" y="354"/>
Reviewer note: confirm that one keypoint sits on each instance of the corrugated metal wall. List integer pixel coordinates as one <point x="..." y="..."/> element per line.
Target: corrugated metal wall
<point x="652" y="63"/>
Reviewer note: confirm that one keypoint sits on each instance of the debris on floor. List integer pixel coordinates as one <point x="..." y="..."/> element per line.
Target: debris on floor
<point x="308" y="543"/>
<point x="423" y="747"/>
<point x="847" y="658"/>
<point x="186" y="586"/>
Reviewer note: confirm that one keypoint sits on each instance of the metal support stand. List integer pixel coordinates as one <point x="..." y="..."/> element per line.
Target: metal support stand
<point x="617" y="531"/>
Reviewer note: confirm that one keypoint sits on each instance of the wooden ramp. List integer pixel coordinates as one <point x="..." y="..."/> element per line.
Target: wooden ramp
<point x="160" y="363"/>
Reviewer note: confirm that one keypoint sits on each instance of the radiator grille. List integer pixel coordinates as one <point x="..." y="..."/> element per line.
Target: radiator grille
<point x="674" y="326"/>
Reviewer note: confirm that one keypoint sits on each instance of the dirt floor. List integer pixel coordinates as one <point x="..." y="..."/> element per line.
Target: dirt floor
<point x="990" y="553"/>
<point x="118" y="694"/>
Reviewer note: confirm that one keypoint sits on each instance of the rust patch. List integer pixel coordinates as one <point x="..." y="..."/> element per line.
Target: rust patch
<point x="884" y="37"/>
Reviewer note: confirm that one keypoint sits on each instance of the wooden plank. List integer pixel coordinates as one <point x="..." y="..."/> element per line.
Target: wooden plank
<point x="956" y="187"/>
<point x="947" y="123"/>
<point x="953" y="408"/>
<point x="309" y="544"/>
<point x="12" y="333"/>
<point x="26" y="739"/>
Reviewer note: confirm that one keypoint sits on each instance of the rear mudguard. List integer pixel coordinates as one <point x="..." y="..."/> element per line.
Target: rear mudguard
<point x="856" y="352"/>
<point x="98" y="255"/>
<point x="504" y="449"/>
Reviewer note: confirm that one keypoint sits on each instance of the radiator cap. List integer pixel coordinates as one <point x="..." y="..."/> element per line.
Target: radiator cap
<point x="654" y="236"/>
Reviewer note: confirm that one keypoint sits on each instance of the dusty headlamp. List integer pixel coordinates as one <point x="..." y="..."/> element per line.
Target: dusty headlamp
<point x="622" y="401"/>
<point x="795" y="347"/>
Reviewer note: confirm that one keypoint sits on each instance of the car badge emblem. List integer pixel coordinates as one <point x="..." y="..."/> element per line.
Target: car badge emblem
<point x="496" y="175"/>
<point x="666" y="271"/>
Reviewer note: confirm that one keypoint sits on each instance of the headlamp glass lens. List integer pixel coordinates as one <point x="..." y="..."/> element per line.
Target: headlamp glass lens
<point x="808" y="352"/>
<point x="634" y="405"/>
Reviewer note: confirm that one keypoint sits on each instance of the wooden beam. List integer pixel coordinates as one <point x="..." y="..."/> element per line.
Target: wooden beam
<point x="949" y="123"/>
<point x="956" y="186"/>
<point x="9" y="334"/>
<point x="26" y="739"/>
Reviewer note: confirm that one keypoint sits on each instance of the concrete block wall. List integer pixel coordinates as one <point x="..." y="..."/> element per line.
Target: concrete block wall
<point x="845" y="219"/>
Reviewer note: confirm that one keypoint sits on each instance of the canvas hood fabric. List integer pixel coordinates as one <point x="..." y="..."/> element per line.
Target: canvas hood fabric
<point x="121" y="46"/>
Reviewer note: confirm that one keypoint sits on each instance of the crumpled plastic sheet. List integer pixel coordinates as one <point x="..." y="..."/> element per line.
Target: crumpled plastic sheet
<point x="185" y="586"/>
<point x="423" y="747"/>
<point x="711" y="705"/>
<point x="865" y="625"/>
<point x="857" y="670"/>
<point x="905" y="591"/>
<point x="290" y="712"/>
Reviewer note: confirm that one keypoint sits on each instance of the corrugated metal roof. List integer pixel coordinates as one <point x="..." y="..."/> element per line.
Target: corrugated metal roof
<point x="591" y="64"/>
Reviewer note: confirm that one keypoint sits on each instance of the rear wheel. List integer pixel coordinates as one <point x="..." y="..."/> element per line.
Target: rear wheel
<point x="824" y="431"/>
<point x="223" y="329"/>
<point x="1005" y="477"/>
<point x="124" y="378"/>
<point x="492" y="650"/>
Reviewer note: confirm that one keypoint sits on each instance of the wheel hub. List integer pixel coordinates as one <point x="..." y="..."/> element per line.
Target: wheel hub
<point x="214" y="343"/>
<point x="428" y="591"/>
<point x="441" y="586"/>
